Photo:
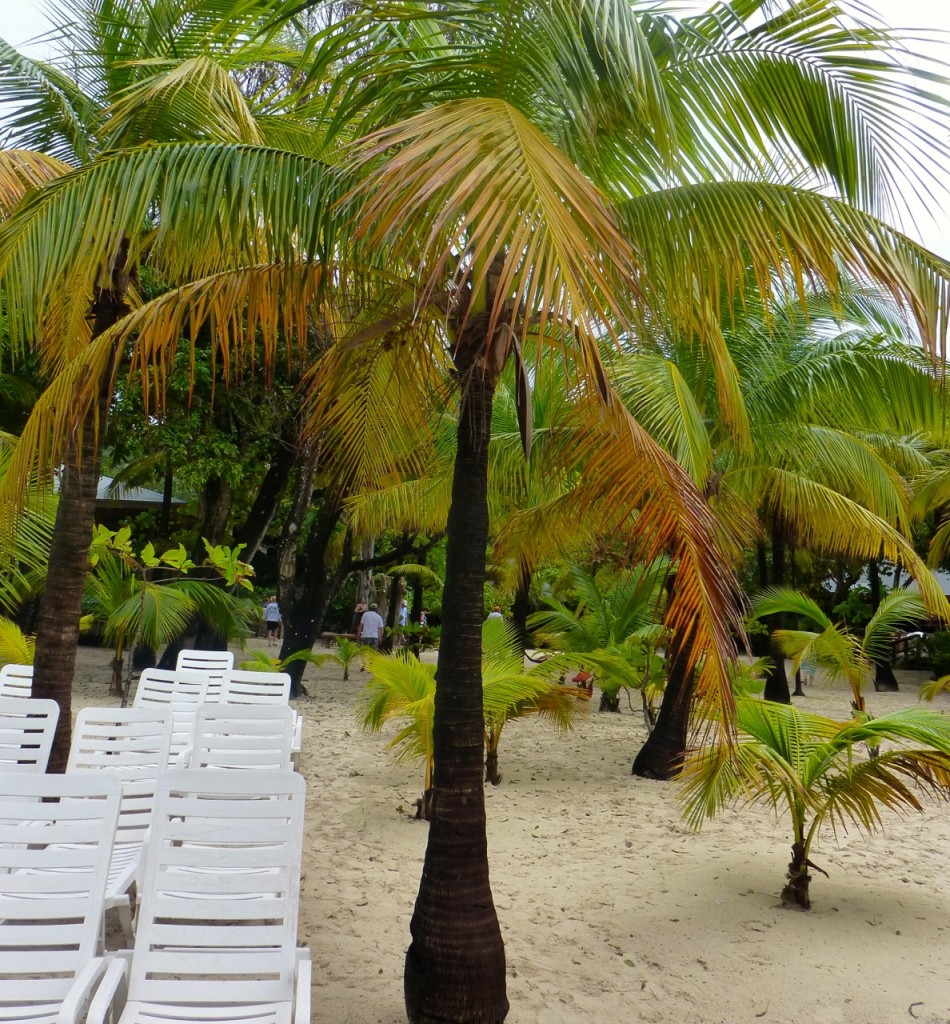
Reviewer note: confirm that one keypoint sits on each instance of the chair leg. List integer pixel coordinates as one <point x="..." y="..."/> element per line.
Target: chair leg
<point x="124" y="910"/>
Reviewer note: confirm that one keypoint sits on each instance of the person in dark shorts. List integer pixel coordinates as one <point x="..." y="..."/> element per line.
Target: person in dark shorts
<point x="272" y="620"/>
<point x="371" y="627"/>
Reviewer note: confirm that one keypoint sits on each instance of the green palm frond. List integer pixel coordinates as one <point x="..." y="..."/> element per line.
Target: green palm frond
<point x="932" y="690"/>
<point x="781" y="600"/>
<point x="897" y="610"/>
<point x="53" y="115"/>
<point x="800" y="86"/>
<point x="226" y="613"/>
<point x="810" y="763"/>
<point x="607" y="614"/>
<point x="401" y="687"/>
<point x="16" y="648"/>
<point x="155" y="614"/>
<point x="714" y="233"/>
<point x="196" y="97"/>
<point x="654" y="390"/>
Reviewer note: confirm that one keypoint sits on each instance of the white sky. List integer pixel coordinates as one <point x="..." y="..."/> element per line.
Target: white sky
<point x="23" y="20"/>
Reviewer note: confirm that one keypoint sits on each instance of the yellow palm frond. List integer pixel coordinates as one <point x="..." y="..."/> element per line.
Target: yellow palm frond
<point x="22" y="170"/>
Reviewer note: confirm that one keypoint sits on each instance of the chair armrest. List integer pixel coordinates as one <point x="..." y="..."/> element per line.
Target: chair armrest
<point x="302" y="987"/>
<point x="71" y="1011"/>
<point x="183" y="757"/>
<point x="112" y="993"/>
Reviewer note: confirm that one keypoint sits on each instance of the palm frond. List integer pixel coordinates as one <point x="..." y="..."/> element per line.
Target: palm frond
<point x="16" y="648"/>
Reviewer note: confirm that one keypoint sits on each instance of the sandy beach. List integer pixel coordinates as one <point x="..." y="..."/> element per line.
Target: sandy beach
<point x="612" y="910"/>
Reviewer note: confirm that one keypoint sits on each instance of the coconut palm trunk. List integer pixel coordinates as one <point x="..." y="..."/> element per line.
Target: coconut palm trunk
<point x="455" y="965"/>
<point x="662" y="756"/>
<point x="57" y="628"/>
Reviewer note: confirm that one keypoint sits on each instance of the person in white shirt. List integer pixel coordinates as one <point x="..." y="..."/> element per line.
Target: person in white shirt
<point x="272" y="620"/>
<point x="495" y="614"/>
<point x="371" y="627"/>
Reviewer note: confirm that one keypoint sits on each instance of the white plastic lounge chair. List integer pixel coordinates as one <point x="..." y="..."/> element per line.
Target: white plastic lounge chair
<point x="256" y="736"/>
<point x="133" y="744"/>
<point x="243" y="687"/>
<point x="217" y="929"/>
<point x="55" y="836"/>
<point x="213" y="664"/>
<point x="27" y="726"/>
<point x="179" y="690"/>
<point x="16" y="681"/>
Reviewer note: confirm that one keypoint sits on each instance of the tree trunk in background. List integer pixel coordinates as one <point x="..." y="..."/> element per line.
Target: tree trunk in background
<point x="216" y="499"/>
<point x="521" y="606"/>
<point x="168" y="489"/>
<point x="884" y="679"/>
<point x="306" y="597"/>
<point x="455" y="965"/>
<point x="257" y="521"/>
<point x="776" y="678"/>
<point x="388" y="641"/>
<point x="798" y="692"/>
<point x="418" y="587"/>
<point x="661" y="757"/>
<point x="57" y="632"/>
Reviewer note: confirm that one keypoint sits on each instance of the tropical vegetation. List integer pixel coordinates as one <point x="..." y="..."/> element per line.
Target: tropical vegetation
<point x="543" y="275"/>
<point x="812" y="769"/>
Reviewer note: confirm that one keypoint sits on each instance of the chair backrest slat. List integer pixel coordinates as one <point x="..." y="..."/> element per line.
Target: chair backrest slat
<point x="220" y="886"/>
<point x="257" y="736"/>
<point x="27" y="726"/>
<point x="181" y="691"/>
<point x="213" y="664"/>
<point x="16" y="681"/>
<point x="245" y="687"/>
<point x="132" y="743"/>
<point x="51" y="896"/>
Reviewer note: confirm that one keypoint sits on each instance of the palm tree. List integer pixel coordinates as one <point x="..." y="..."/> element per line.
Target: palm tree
<point x="519" y="171"/>
<point x="808" y="766"/>
<point x="832" y="646"/>
<point x="833" y="399"/>
<point x="126" y="73"/>
<point x="617" y="619"/>
<point x="23" y="566"/>
<point x="402" y="687"/>
<point x="145" y="604"/>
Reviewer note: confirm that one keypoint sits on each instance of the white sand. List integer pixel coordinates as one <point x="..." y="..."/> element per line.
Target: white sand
<point x="611" y="909"/>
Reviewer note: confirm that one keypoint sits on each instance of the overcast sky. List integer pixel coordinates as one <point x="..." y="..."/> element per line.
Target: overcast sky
<point x="23" y="20"/>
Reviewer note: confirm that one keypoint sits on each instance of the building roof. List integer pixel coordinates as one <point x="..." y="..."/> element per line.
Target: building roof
<point x="112" y="495"/>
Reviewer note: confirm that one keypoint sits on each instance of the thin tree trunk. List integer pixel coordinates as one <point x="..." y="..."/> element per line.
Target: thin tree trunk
<point x="388" y="641"/>
<point x="57" y="633"/>
<point x="164" y="525"/>
<point x="776" y="678"/>
<point x="798" y="692"/>
<point x="795" y="893"/>
<point x="521" y="606"/>
<point x="884" y="679"/>
<point x="254" y="528"/>
<point x="455" y="965"/>
<point x="661" y="757"/>
<point x="307" y="596"/>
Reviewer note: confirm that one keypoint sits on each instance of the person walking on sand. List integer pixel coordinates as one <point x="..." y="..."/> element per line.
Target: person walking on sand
<point x="272" y="620"/>
<point x="371" y="627"/>
<point x="495" y="614"/>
